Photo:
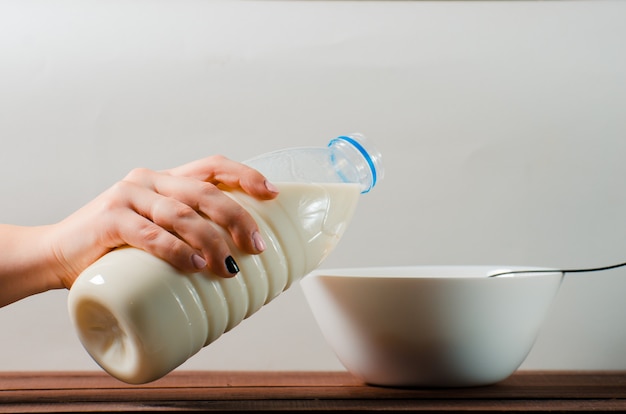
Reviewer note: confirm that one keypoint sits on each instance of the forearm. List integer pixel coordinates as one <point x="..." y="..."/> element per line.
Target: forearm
<point x="26" y="267"/>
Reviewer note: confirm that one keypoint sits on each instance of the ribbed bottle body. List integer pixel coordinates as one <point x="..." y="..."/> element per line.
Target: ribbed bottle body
<point x="139" y="317"/>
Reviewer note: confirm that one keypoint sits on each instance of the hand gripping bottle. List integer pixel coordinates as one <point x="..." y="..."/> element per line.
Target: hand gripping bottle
<point x="139" y="317"/>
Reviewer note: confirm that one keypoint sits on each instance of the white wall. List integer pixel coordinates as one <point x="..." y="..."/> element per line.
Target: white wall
<point x="501" y="124"/>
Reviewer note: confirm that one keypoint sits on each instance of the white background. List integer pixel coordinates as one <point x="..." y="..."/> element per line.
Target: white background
<point x="501" y="125"/>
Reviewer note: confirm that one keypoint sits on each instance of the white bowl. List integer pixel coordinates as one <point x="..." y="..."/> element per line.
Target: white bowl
<point x="430" y="326"/>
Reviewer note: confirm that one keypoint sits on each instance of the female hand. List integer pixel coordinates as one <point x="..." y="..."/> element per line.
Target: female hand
<point x="164" y="213"/>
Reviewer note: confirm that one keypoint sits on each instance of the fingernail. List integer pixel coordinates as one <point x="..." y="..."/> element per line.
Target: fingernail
<point x="231" y="265"/>
<point x="271" y="187"/>
<point x="198" y="261"/>
<point x="258" y="241"/>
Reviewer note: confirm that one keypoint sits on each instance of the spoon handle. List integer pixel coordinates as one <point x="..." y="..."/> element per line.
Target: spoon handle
<point x="593" y="269"/>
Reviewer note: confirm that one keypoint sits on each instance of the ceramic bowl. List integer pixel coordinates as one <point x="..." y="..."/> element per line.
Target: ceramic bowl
<point x="430" y="326"/>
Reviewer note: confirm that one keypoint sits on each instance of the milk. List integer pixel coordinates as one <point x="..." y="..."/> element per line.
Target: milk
<point x="139" y="318"/>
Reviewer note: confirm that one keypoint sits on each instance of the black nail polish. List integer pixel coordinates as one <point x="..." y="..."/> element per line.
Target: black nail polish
<point x="231" y="265"/>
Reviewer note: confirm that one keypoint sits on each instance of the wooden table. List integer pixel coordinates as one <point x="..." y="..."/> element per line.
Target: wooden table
<point x="303" y="391"/>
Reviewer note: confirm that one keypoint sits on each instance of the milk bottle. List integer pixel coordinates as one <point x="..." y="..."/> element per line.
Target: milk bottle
<point x="139" y="317"/>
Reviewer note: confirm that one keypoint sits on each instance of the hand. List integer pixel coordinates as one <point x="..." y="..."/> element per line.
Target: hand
<point x="165" y="213"/>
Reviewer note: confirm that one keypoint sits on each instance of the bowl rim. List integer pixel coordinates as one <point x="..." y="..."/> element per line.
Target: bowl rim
<point x="434" y="272"/>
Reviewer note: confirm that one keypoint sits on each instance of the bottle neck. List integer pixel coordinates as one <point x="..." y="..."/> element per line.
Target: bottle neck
<point x="356" y="160"/>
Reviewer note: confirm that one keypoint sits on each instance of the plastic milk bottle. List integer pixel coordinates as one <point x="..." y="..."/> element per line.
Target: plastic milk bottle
<point x="139" y="317"/>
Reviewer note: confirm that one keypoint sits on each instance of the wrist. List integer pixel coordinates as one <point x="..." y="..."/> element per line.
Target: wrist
<point x="26" y="265"/>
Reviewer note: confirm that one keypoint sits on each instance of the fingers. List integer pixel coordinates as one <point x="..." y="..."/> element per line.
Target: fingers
<point x="171" y="230"/>
<point x="181" y="216"/>
<point x="138" y="231"/>
<point x="217" y="169"/>
<point x="175" y="211"/>
<point x="186" y="198"/>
